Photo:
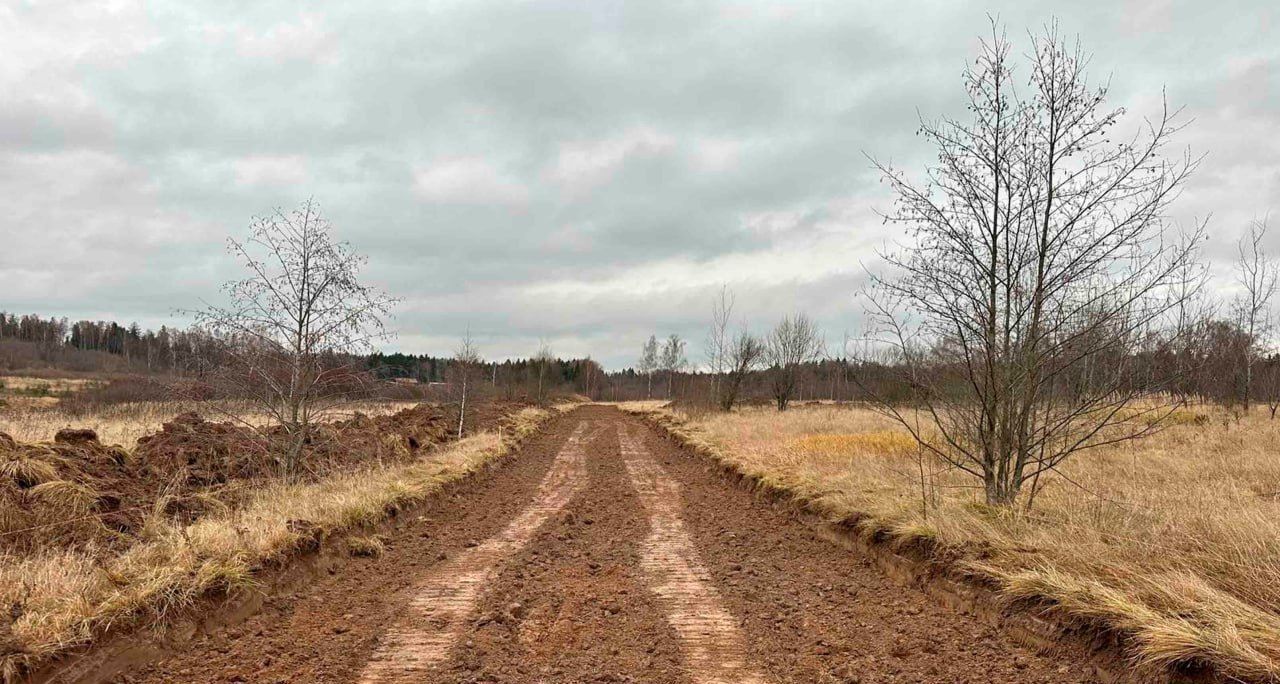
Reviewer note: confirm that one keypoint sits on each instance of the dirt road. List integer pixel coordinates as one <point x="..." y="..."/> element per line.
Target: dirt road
<point x="603" y="553"/>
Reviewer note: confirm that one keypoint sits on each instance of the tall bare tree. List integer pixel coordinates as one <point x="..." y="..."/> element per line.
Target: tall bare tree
<point x="1256" y="273"/>
<point x="1039" y="264"/>
<point x="743" y="356"/>
<point x="648" y="364"/>
<point x="466" y="362"/>
<point x="542" y="361"/>
<point x="291" y="326"/>
<point x="1194" y="326"/>
<point x="719" y="341"/>
<point x="1269" y="383"/>
<point x="673" y="360"/>
<point x="792" y="344"/>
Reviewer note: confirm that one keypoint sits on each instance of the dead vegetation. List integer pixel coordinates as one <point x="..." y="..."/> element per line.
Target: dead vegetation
<point x="1172" y="541"/>
<point x="124" y="422"/>
<point x="76" y="490"/>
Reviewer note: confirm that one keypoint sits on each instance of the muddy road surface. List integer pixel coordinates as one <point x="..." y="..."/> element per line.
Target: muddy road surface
<point x="604" y="553"/>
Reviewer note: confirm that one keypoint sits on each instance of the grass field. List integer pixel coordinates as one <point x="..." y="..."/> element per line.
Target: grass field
<point x="1175" y="539"/>
<point x="40" y="419"/>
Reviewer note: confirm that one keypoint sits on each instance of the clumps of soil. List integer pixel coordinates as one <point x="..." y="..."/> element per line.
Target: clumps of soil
<point x="202" y="453"/>
<point x="396" y="436"/>
<point x="199" y="453"/>
<point x="74" y="489"/>
<point x="77" y="491"/>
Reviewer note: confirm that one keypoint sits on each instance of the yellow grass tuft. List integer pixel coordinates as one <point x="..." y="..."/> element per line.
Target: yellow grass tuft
<point x="24" y="471"/>
<point x="370" y="546"/>
<point x="882" y="442"/>
<point x="70" y="498"/>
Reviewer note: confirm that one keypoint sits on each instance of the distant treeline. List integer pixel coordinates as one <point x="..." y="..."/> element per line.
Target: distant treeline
<point x="31" y="341"/>
<point x="1210" y="363"/>
<point x="511" y="378"/>
<point x="99" y="345"/>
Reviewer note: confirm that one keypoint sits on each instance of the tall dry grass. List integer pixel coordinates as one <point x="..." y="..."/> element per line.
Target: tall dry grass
<point x="1174" y="539"/>
<point x="63" y="599"/>
<point x="124" y="423"/>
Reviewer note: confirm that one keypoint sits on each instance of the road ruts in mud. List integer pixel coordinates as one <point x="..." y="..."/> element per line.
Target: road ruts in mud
<point x="640" y="562"/>
<point x="812" y="611"/>
<point x="709" y="636"/>
<point x="442" y="605"/>
<point x="326" y="631"/>
<point x="575" y="606"/>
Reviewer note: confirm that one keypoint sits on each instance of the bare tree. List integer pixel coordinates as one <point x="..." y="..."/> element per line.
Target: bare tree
<point x="466" y="361"/>
<point x="291" y="326"/>
<point x="1256" y="273"/>
<point x="1194" y="326"/>
<point x="743" y="356"/>
<point x="673" y="360"/>
<point x="1269" y="383"/>
<point x="719" y="341"/>
<point x="543" y="360"/>
<point x="792" y="344"/>
<point x="649" y="363"/>
<point x="1040" y="262"/>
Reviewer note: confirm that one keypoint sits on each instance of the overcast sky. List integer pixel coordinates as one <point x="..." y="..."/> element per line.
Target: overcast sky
<point x="588" y="173"/>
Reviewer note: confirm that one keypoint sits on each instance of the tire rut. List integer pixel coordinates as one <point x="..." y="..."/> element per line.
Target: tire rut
<point x="574" y="607"/>
<point x="440" y="607"/>
<point x="713" y="646"/>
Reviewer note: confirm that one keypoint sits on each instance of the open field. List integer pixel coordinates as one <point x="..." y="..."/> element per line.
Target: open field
<point x="1173" y="539"/>
<point x="124" y="423"/>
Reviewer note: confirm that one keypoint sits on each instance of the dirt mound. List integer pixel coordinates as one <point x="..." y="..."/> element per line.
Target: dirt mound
<point x="197" y="452"/>
<point x="203" y="453"/>
<point x="364" y="439"/>
<point x="75" y="489"/>
<point x="75" y="436"/>
<point x="398" y="435"/>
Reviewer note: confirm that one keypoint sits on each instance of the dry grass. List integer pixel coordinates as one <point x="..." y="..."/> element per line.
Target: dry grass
<point x="63" y="599"/>
<point x="1175" y="539"/>
<point x="21" y="384"/>
<point x="370" y="546"/>
<point x="124" y="423"/>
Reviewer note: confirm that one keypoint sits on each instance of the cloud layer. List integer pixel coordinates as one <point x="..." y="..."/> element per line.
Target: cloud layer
<point x="587" y="174"/>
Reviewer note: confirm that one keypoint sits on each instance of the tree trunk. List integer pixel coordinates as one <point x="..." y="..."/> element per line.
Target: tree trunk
<point x="462" y="410"/>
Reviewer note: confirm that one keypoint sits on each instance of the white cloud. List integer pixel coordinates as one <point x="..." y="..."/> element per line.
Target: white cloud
<point x="582" y="165"/>
<point x="716" y="154"/>
<point x="305" y="38"/>
<point x="279" y="170"/>
<point x="467" y="180"/>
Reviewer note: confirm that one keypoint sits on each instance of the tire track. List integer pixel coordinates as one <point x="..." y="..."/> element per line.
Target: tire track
<point x="709" y="635"/>
<point x="440" y="607"/>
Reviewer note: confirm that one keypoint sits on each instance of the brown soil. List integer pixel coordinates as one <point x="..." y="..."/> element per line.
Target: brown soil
<point x="646" y="566"/>
<point x="76" y="490"/>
